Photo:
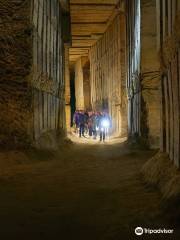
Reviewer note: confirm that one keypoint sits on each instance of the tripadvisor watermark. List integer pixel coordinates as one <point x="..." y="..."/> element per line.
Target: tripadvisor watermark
<point x="140" y="231"/>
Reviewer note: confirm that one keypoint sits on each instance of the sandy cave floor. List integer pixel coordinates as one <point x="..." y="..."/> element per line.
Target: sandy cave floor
<point x="83" y="191"/>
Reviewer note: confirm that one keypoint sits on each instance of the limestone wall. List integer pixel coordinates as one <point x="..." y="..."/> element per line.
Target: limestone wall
<point x="32" y="76"/>
<point x="108" y="80"/>
<point x="133" y="65"/>
<point x="143" y="76"/>
<point x="67" y="88"/>
<point x="169" y="48"/>
<point x="150" y="75"/>
<point x="15" y="66"/>
<point x="48" y="72"/>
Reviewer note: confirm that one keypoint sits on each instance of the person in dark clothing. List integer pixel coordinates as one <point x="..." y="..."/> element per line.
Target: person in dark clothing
<point x="81" y="123"/>
<point x="94" y="125"/>
<point x="102" y="134"/>
<point x="104" y="125"/>
<point x="86" y="118"/>
<point x="90" y="123"/>
<point x="76" y="121"/>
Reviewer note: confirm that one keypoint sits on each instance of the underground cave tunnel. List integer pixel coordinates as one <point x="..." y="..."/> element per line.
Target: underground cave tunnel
<point x="120" y="58"/>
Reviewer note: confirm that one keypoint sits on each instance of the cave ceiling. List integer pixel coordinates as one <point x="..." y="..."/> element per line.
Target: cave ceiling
<point x="89" y="20"/>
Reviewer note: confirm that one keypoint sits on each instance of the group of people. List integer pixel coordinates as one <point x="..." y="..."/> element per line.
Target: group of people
<point x="92" y="123"/>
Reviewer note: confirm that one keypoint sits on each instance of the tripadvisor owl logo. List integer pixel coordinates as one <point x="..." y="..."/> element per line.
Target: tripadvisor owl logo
<point x="139" y="231"/>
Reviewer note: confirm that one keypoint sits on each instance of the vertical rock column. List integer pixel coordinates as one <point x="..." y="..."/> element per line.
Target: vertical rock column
<point x="133" y="66"/>
<point x="169" y="47"/>
<point x="150" y="77"/>
<point x="87" y="90"/>
<point x="79" y="87"/>
<point x="67" y="89"/>
<point x="143" y="71"/>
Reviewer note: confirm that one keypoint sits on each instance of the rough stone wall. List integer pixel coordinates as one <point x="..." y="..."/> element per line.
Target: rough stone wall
<point x="32" y="74"/>
<point x="150" y="75"/>
<point x="15" y="63"/>
<point x="143" y="76"/>
<point x="48" y="72"/>
<point x="169" y="47"/>
<point x="108" y="81"/>
<point x="133" y="65"/>
<point x="67" y="88"/>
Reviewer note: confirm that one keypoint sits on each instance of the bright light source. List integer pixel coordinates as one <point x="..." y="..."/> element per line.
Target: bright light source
<point x="105" y="123"/>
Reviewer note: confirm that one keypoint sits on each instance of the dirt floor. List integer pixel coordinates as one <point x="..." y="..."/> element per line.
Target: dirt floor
<point x="83" y="192"/>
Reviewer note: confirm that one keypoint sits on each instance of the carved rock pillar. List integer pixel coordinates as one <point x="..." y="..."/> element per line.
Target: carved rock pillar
<point x="67" y="89"/>
<point x="79" y="87"/>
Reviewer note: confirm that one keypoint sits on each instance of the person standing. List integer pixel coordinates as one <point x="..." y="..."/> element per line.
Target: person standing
<point x="86" y="118"/>
<point x="81" y="123"/>
<point x="90" y="124"/>
<point x="104" y="125"/>
<point x="94" y="125"/>
<point x="76" y="121"/>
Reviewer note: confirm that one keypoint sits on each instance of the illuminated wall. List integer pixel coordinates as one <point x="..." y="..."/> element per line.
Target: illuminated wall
<point x="108" y="79"/>
<point x="143" y="75"/>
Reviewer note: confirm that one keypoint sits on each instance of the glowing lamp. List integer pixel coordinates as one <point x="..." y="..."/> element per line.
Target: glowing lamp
<point x="105" y="123"/>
